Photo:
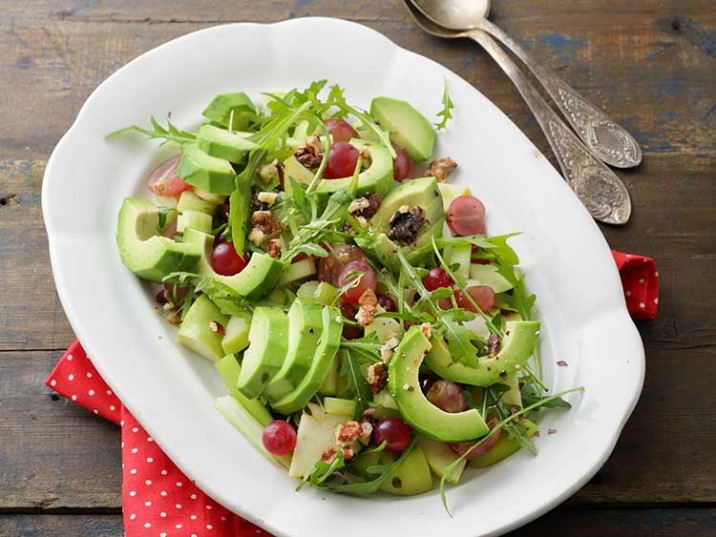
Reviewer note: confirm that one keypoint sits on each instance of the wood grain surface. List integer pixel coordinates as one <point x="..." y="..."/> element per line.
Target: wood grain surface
<point x="651" y="64"/>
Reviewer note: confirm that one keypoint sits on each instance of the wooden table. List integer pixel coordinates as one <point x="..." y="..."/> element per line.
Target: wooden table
<point x="650" y="63"/>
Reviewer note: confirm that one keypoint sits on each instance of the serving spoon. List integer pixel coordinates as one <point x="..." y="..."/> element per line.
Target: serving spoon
<point x="605" y="139"/>
<point x="597" y="186"/>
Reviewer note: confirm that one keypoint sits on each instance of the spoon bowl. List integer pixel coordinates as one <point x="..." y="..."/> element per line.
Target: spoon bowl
<point x="455" y="14"/>
<point x="604" y="138"/>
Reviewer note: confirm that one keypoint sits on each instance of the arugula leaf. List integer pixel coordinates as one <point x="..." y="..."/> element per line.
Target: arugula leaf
<point x="224" y="297"/>
<point x="170" y="134"/>
<point x="531" y="395"/>
<point x="356" y="385"/>
<point x="321" y="471"/>
<point x="163" y="213"/>
<point x="446" y="112"/>
<point x="335" y="480"/>
<point x="459" y="341"/>
<point x="447" y="473"/>
<point x="240" y="201"/>
<point x="333" y="214"/>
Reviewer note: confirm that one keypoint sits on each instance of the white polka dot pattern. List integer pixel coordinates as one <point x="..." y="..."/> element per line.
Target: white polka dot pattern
<point x="158" y="500"/>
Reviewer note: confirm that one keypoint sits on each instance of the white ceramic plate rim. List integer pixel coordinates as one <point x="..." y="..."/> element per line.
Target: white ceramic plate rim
<point x="80" y="257"/>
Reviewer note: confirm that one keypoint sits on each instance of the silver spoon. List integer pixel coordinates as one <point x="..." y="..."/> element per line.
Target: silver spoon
<point x="604" y="137"/>
<point x="597" y="186"/>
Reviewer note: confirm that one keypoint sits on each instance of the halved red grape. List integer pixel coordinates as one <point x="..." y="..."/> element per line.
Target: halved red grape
<point x="401" y="164"/>
<point x="447" y="396"/>
<point x="279" y="437"/>
<point x="226" y="261"/>
<point x="387" y="303"/>
<point x="342" y="159"/>
<point x="437" y="277"/>
<point x="350" y="331"/>
<point x="361" y="271"/>
<point x="482" y="295"/>
<point x="466" y="216"/>
<point x="340" y="130"/>
<point x="394" y="432"/>
<point x="339" y="255"/>
<point x="164" y="181"/>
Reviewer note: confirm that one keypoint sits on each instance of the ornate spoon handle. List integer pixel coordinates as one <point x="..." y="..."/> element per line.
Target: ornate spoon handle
<point x="600" y="190"/>
<point x="603" y="137"/>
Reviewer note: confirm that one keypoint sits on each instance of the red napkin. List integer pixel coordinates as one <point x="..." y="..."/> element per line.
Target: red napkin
<point x="157" y="498"/>
<point x="159" y="501"/>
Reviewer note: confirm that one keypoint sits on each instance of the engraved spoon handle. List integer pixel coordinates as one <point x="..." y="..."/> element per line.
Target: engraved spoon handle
<point x="598" y="187"/>
<point x="606" y="139"/>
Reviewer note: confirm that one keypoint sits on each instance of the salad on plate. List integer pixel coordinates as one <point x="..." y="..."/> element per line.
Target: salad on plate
<point x="370" y="332"/>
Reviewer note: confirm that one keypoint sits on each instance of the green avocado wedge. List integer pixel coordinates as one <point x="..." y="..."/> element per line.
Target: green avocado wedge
<point x="141" y="247"/>
<point x="421" y="414"/>
<point x="268" y="341"/>
<point x="377" y="177"/>
<point x="518" y="345"/>
<point x="406" y="126"/>
<point x="256" y="280"/>
<point x="215" y="175"/>
<point x="328" y="344"/>
<point x="305" y="323"/>
<point x="224" y="144"/>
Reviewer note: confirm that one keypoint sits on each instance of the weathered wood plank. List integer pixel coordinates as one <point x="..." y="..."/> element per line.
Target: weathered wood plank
<point x="656" y="80"/>
<point x="591" y="523"/>
<point x="63" y="456"/>
<point x="54" y="454"/>
<point x="31" y="316"/>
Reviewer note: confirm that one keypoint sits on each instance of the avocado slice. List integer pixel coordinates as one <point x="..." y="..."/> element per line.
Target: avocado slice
<point x="505" y="447"/>
<point x="196" y="332"/>
<point x="422" y="193"/>
<point x="406" y="126"/>
<point x="194" y="220"/>
<point x="268" y="341"/>
<point x="215" y="175"/>
<point x="224" y="144"/>
<point x="328" y="344"/>
<point x="190" y="201"/>
<point x="231" y="110"/>
<point x="257" y="279"/>
<point x="305" y="322"/>
<point x="404" y="386"/>
<point x="299" y="270"/>
<point x="517" y="346"/>
<point x="378" y="177"/>
<point x="143" y="250"/>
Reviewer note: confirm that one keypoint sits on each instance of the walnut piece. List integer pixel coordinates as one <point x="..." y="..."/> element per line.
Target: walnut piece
<point x="377" y="377"/>
<point x="263" y="227"/>
<point x="368" y="304"/>
<point x="440" y="168"/>
<point x="274" y="248"/>
<point x="311" y="154"/>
